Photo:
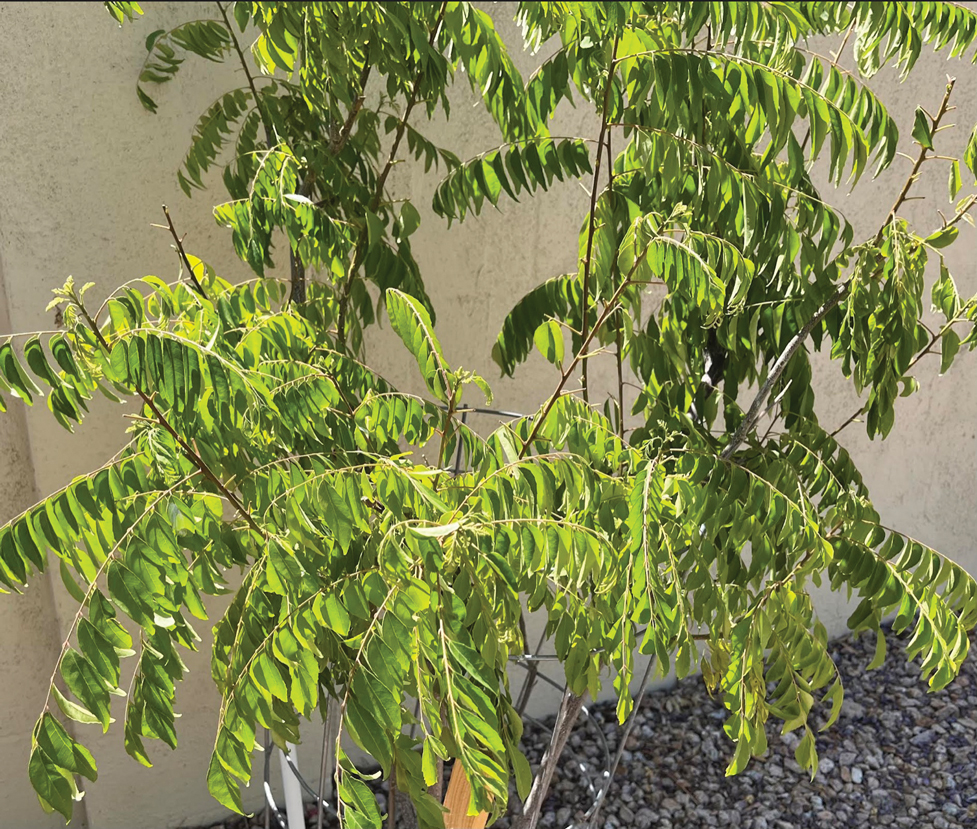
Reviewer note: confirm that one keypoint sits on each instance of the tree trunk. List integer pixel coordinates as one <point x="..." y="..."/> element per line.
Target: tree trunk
<point x="565" y="719"/>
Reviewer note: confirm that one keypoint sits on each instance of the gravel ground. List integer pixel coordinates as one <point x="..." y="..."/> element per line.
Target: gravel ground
<point x="898" y="756"/>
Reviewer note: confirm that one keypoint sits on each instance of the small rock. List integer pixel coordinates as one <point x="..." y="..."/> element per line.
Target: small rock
<point x="644" y="819"/>
<point x="856" y="775"/>
<point x="924" y="738"/>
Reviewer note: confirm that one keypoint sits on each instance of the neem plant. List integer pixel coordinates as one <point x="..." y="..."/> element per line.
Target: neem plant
<point x="264" y="443"/>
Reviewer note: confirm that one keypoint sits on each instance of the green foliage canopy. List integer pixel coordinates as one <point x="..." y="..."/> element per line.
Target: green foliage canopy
<point x="265" y="445"/>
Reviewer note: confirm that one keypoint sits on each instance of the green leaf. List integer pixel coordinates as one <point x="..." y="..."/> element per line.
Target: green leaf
<point x="223" y="787"/>
<point x="51" y="784"/>
<point x="14" y="374"/>
<point x="942" y="238"/>
<point x="437" y="531"/>
<point x="264" y="671"/>
<point x="523" y="772"/>
<point x="59" y="746"/>
<point x="805" y="754"/>
<point x="923" y="129"/>
<point x="970" y="154"/>
<point x="73" y="710"/>
<point x="410" y="219"/>
<point x="99" y="652"/>
<point x="70" y="584"/>
<point x="37" y="362"/>
<point x="413" y="325"/>
<point x="331" y="613"/>
<point x="130" y="593"/>
<point x="949" y="346"/>
<point x="429" y="763"/>
<point x="84" y="682"/>
<point x="549" y="341"/>
<point x="955" y="183"/>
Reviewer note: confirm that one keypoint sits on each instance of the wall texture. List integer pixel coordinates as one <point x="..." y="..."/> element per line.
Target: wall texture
<point x="86" y="171"/>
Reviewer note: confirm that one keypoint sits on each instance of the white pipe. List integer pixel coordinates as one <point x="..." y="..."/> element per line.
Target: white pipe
<point x="294" y="808"/>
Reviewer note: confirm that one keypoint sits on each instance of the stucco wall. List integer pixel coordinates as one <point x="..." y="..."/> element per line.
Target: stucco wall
<point x="86" y="170"/>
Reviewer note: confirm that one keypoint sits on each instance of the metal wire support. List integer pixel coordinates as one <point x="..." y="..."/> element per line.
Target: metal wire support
<point x="272" y="810"/>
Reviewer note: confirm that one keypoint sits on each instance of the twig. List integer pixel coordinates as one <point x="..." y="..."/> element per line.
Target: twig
<point x="619" y="356"/>
<point x="187" y="450"/>
<point x="360" y="249"/>
<point x="269" y="130"/>
<point x="532" y="669"/>
<point x="608" y="310"/>
<point x="592" y="224"/>
<point x="296" y="268"/>
<point x="392" y="798"/>
<point x="354" y="110"/>
<point x="327" y="761"/>
<point x="756" y="407"/>
<point x="183" y="253"/>
<point x="848" y="422"/>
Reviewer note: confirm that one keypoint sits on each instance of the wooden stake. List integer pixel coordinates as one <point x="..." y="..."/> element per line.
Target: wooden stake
<point x="456" y="802"/>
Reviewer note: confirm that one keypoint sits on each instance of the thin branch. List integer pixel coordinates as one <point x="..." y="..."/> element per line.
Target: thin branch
<point x="392" y="798"/>
<point x="354" y="110"/>
<point x="297" y="277"/>
<point x="183" y="254"/>
<point x="848" y="422"/>
<point x="592" y="224"/>
<point x="608" y="310"/>
<point x="185" y="447"/>
<point x="622" y="743"/>
<point x="269" y="131"/>
<point x="360" y="250"/>
<point x="619" y="358"/>
<point x="296" y="268"/>
<point x="756" y="407"/>
<point x="904" y="193"/>
<point x="445" y="431"/>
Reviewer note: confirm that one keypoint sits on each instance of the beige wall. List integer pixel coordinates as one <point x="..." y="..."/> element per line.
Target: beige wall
<point x="86" y="170"/>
